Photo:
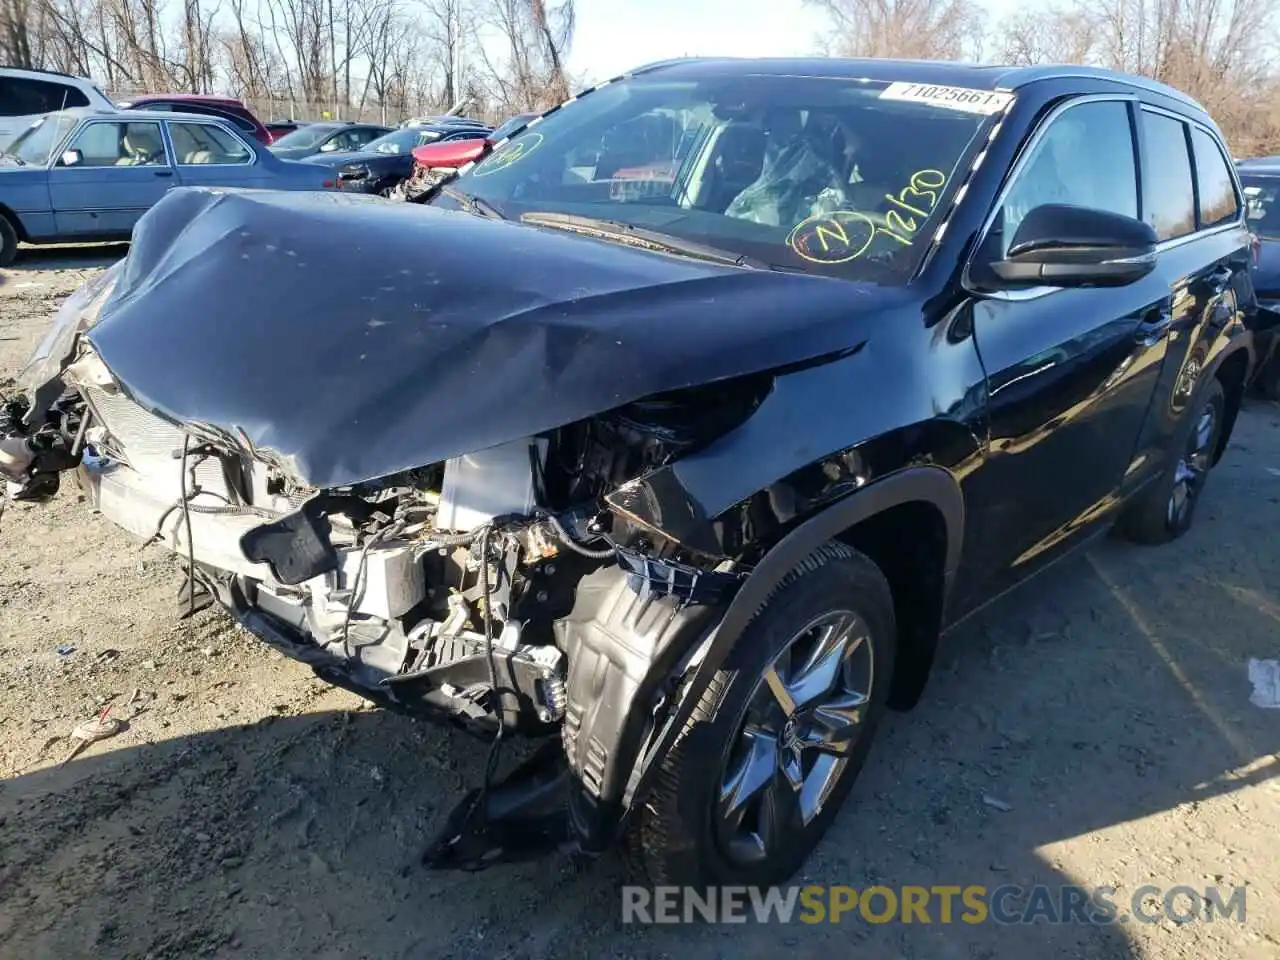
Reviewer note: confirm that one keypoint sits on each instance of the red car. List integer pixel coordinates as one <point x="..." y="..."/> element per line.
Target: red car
<point x="227" y="108"/>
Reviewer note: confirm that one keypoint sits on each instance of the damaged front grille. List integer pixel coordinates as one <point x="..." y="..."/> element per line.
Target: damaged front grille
<point x="148" y="443"/>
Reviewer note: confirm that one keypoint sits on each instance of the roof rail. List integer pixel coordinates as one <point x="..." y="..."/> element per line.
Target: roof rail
<point x="1020" y="76"/>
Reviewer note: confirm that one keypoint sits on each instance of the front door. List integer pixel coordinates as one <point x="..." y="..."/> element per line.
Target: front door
<point x="117" y="171"/>
<point x="1070" y="372"/>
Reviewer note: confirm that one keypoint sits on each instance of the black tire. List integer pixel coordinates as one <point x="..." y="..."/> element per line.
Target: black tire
<point x="8" y="241"/>
<point x="676" y="839"/>
<point x="1154" y="518"/>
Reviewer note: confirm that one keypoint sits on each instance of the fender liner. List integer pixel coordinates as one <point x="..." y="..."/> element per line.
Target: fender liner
<point x="931" y="484"/>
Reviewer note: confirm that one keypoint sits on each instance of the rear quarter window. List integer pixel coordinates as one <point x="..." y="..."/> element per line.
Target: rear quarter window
<point x="20" y="96"/>
<point x="1218" y="201"/>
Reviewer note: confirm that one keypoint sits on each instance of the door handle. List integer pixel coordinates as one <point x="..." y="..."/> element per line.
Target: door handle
<point x="1155" y="324"/>
<point x="163" y="173"/>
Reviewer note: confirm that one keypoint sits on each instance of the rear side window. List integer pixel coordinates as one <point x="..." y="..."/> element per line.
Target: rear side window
<point x="1218" y="200"/>
<point x="20" y="96"/>
<point x="1166" y="176"/>
<point x="203" y="143"/>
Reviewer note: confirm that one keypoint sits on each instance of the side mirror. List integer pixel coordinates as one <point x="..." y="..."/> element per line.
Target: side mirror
<point x="1060" y="245"/>
<point x="71" y="158"/>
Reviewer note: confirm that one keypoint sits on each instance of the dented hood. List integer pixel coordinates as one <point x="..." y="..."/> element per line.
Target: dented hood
<point x="349" y="338"/>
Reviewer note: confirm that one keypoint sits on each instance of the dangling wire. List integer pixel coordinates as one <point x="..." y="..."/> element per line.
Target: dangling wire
<point x="495" y="748"/>
<point x="191" y="546"/>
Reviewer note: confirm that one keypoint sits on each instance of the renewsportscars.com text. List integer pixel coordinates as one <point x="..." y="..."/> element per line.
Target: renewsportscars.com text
<point x="971" y="904"/>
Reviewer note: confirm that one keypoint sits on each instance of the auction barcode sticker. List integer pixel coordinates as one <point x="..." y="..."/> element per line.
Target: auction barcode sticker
<point x="952" y="98"/>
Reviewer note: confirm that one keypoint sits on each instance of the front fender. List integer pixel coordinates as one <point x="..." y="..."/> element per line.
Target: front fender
<point x="929" y="484"/>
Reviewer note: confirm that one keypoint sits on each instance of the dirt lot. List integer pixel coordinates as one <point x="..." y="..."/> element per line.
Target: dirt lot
<point x="250" y="811"/>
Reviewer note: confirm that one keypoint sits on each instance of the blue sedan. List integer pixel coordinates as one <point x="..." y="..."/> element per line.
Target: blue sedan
<point x="88" y="175"/>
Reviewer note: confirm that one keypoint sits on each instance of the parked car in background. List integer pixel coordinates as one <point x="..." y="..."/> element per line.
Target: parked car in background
<point x="384" y="164"/>
<point x="336" y="136"/>
<point x="224" y="108"/>
<point x="686" y="485"/>
<point x="1261" y="180"/>
<point x="442" y="121"/>
<point x="434" y="162"/>
<point x="510" y="126"/>
<point x="278" y="128"/>
<point x="27" y="95"/>
<point x="86" y="175"/>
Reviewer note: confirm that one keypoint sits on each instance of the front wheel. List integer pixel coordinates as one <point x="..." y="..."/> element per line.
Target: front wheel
<point x="781" y="733"/>
<point x="8" y="241"/>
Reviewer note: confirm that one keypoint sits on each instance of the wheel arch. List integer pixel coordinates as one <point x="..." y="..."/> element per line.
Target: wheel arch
<point x="864" y="518"/>
<point x="1232" y="372"/>
<point x="15" y="221"/>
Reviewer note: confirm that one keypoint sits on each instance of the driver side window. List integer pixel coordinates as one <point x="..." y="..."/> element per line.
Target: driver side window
<point x="1064" y="166"/>
<point x="120" y="144"/>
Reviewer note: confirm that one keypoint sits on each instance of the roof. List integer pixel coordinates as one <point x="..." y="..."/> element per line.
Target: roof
<point x="79" y="113"/>
<point x="1260" y="166"/>
<point x="194" y="97"/>
<point x="979" y="76"/>
<point x="34" y="73"/>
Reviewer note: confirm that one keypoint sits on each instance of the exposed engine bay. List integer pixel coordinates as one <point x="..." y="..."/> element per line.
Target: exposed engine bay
<point x="448" y="590"/>
<point x="401" y="584"/>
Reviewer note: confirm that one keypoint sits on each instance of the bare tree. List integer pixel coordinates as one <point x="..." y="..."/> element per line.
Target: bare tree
<point x="913" y="29"/>
<point x="1052" y="36"/>
<point x="535" y="39"/>
<point x="1218" y="51"/>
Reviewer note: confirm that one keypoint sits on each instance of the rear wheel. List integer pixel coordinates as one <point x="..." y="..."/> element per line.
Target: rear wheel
<point x="1165" y="510"/>
<point x="780" y="735"/>
<point x="8" y="241"/>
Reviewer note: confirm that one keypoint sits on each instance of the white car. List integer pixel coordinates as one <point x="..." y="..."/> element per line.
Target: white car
<point x="26" y="95"/>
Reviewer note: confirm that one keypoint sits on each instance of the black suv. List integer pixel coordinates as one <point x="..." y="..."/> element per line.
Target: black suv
<point x="677" y="429"/>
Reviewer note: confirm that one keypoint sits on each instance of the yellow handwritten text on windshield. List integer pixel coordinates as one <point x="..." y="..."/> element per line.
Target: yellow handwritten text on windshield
<point x="844" y="235"/>
<point x="912" y="206"/>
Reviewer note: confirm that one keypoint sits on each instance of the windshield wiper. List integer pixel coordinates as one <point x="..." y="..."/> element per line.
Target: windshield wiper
<point x="473" y="204"/>
<point x="643" y="237"/>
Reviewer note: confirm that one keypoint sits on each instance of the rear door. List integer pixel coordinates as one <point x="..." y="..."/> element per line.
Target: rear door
<point x="122" y="170"/>
<point x="1191" y="197"/>
<point x="1070" y="372"/>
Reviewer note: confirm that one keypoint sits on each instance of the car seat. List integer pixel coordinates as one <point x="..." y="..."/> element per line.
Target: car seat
<point x="142" y="145"/>
<point x="737" y="164"/>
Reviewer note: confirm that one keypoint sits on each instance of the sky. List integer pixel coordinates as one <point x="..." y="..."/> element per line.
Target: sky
<point x="614" y="35"/>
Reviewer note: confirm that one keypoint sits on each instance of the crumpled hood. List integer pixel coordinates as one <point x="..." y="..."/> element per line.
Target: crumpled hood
<point x="351" y="338"/>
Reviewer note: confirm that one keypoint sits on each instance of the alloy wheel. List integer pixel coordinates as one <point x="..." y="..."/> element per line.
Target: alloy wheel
<point x="801" y="724"/>
<point x="1193" y="466"/>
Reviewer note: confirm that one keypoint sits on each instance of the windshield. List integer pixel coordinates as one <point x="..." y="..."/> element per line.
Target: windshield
<point x="402" y="141"/>
<point x="834" y="176"/>
<point x="36" y="144"/>
<point x="1263" y="212"/>
<point x="306" y="136"/>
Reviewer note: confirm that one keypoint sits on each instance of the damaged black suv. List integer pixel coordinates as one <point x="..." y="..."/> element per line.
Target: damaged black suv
<point x="676" y="429"/>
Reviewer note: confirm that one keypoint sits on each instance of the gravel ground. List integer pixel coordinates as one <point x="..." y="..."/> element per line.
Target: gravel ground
<point x="250" y="811"/>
